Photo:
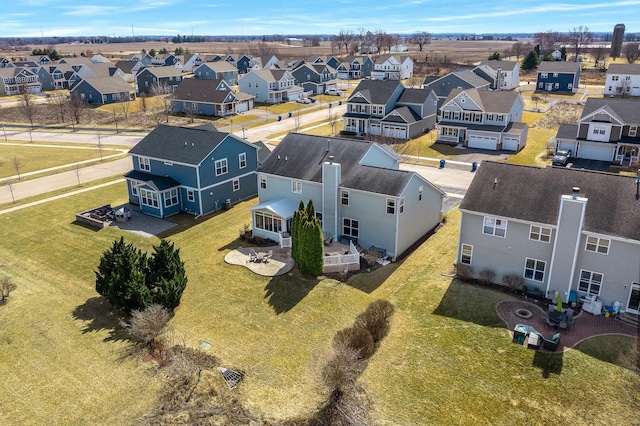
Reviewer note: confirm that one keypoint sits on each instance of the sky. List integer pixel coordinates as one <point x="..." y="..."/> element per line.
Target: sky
<point x="33" y="18"/>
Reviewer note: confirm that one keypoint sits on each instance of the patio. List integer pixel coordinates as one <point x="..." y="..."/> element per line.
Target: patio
<point x="585" y="326"/>
<point x="279" y="264"/>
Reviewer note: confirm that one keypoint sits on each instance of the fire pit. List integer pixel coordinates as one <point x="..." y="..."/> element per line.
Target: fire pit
<point x="523" y="313"/>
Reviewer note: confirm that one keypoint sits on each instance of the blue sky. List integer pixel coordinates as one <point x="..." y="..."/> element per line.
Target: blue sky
<point x="256" y="17"/>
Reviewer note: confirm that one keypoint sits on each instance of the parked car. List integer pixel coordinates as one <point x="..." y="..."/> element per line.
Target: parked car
<point x="304" y="100"/>
<point x="333" y="92"/>
<point x="561" y="157"/>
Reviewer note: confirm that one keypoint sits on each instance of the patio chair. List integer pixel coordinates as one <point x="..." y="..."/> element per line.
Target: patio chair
<point x="267" y="256"/>
<point x="550" y="323"/>
<point x="253" y="256"/>
<point x="563" y="325"/>
<point x="552" y="342"/>
<point x="552" y="307"/>
<point x="569" y="313"/>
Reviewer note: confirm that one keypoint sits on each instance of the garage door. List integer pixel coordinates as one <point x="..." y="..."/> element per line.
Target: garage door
<point x="243" y="106"/>
<point x="483" y="142"/>
<point x="595" y="152"/>
<point x="395" y="132"/>
<point x="510" y="144"/>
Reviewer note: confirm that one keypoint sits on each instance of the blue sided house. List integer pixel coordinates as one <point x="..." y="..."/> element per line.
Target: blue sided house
<point x="196" y="170"/>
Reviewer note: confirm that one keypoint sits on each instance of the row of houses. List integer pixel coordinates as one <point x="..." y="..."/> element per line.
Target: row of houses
<point x="560" y="229"/>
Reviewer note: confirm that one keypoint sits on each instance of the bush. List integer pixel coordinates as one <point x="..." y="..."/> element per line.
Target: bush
<point x="486" y="276"/>
<point x="6" y="287"/>
<point x="376" y="319"/>
<point x="357" y="339"/>
<point x="513" y="281"/>
<point x="342" y="371"/>
<point x="464" y="272"/>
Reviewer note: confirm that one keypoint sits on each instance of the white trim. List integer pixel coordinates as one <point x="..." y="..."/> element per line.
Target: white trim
<point x="222" y="167"/>
<point x="227" y="180"/>
<point x="597" y="244"/>
<point x="534" y="269"/>
<point x="461" y="248"/>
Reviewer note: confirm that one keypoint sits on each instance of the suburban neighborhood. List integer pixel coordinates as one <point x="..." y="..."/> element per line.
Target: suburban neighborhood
<point x="354" y="228"/>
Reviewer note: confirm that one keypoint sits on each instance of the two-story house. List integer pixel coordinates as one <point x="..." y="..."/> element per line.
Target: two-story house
<point x="157" y="80"/>
<point x="503" y="75"/>
<point x="392" y="67"/>
<point x="357" y="189"/>
<point x="316" y="78"/>
<point x="209" y="97"/>
<point x="483" y="119"/>
<point x="606" y="131"/>
<point x="165" y="60"/>
<point x="218" y="69"/>
<point x="270" y="86"/>
<point x="330" y="60"/>
<point x="267" y="62"/>
<point x="561" y="229"/>
<point x="16" y="80"/>
<point x="354" y="67"/>
<point x="196" y="170"/>
<point x="241" y="62"/>
<point x="57" y="77"/>
<point x="554" y="76"/>
<point x="190" y="61"/>
<point x="459" y="79"/>
<point x="103" y="90"/>
<point x="368" y="104"/>
<point x="622" y="80"/>
<point x="129" y="69"/>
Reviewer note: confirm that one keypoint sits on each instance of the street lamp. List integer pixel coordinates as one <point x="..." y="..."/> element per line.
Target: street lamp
<point x="243" y="133"/>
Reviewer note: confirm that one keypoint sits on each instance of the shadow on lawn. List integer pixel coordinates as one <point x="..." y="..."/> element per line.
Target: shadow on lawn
<point x="97" y="314"/>
<point x="284" y="292"/>
<point x="549" y="363"/>
<point x="472" y="303"/>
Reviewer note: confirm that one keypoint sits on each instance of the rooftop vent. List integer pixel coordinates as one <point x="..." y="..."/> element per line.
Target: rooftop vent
<point x="575" y="192"/>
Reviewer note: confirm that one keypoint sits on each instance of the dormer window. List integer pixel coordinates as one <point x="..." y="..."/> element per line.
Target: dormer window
<point x="144" y="163"/>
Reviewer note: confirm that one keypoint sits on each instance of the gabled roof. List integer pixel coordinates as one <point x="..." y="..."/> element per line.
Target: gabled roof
<point x="414" y="96"/>
<point x="270" y="76"/>
<point x="300" y="156"/>
<point x="162" y="72"/>
<point x="376" y="92"/>
<point x="626" y="110"/>
<point x="628" y="69"/>
<point x="263" y="151"/>
<point x="105" y="85"/>
<point x="533" y="194"/>
<point x="402" y="114"/>
<point x="559" y="67"/>
<point x="499" y="102"/>
<point x="202" y="90"/>
<point x="126" y="66"/>
<point x="503" y="65"/>
<point x="155" y="182"/>
<point x="99" y="69"/>
<point x="465" y="79"/>
<point x="220" y="66"/>
<point x="181" y="144"/>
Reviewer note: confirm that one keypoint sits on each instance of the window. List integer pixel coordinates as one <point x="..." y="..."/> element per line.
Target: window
<point x="191" y="195"/>
<point x="557" y="85"/>
<point x="391" y="206"/>
<point x="449" y="131"/>
<point x="144" y="163"/>
<point x="350" y="227"/>
<point x="495" y="227"/>
<point x="633" y="131"/>
<point x="598" y="245"/>
<point x="466" y="252"/>
<point x="534" y="269"/>
<point x="544" y="75"/>
<point x="236" y="185"/>
<point x="296" y="187"/>
<point x="149" y="198"/>
<point x="539" y="233"/>
<point x="344" y="197"/>
<point x="171" y="197"/>
<point x="268" y="222"/>
<point x="319" y="216"/>
<point x="221" y="167"/>
<point x="263" y="182"/>
<point x="599" y="129"/>
<point x="420" y="191"/>
<point x="570" y="86"/>
<point x="401" y="205"/>
<point x="242" y="160"/>
<point x="590" y="282"/>
<point x="540" y="85"/>
<point x="615" y="77"/>
<point x="555" y="75"/>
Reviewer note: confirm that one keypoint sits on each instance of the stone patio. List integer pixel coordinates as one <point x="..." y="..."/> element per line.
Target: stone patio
<point x="279" y="264"/>
<point x="585" y="326"/>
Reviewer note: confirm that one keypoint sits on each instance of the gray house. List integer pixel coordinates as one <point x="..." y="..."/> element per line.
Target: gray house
<point x="218" y="69"/>
<point x="103" y="90"/>
<point x="209" y="97"/>
<point x="459" y="79"/>
<point x="195" y="170"/>
<point x="316" y="78"/>
<point x="271" y="86"/>
<point x="564" y="230"/>
<point x="165" y="78"/>
<point x="358" y="191"/>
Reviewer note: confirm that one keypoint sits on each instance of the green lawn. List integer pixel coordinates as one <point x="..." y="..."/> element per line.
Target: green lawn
<point x="448" y="358"/>
<point x="534" y="154"/>
<point x="33" y="158"/>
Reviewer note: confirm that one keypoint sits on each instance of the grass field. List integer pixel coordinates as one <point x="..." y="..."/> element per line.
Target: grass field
<point x="448" y="358"/>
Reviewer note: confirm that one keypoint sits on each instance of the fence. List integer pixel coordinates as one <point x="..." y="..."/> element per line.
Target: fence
<point x="352" y="258"/>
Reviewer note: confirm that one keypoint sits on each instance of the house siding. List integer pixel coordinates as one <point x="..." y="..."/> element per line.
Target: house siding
<point x="376" y="227"/>
<point x="419" y="217"/>
<point x="566" y="241"/>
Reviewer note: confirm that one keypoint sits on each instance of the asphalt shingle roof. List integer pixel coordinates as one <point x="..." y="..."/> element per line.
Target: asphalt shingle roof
<point x="300" y="156"/>
<point x="533" y="194"/>
<point x="560" y="67"/>
<point x="628" y="69"/>
<point x="627" y="109"/>
<point x="200" y="90"/>
<point x="106" y="85"/>
<point x="500" y="101"/>
<point x="376" y="92"/>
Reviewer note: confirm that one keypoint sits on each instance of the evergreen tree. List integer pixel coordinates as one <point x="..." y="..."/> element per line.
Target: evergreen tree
<point x="530" y="61"/>
<point x="307" y="244"/>
<point x="166" y="276"/>
<point x="296" y="230"/>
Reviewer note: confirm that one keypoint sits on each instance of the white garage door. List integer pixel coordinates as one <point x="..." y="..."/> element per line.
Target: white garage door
<point x="483" y="142"/>
<point x="510" y="144"/>
<point x="395" y="132"/>
<point x="595" y="152"/>
<point x="243" y="106"/>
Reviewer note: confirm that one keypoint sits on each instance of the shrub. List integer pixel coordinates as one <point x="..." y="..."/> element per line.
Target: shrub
<point x="6" y="287"/>
<point x="376" y="319"/>
<point x="513" y="281"/>
<point x="342" y="371"/>
<point x="486" y="276"/>
<point x="146" y="325"/>
<point x="464" y="272"/>
<point x="357" y="339"/>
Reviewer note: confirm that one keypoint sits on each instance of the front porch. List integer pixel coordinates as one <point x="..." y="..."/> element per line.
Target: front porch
<point x="626" y="154"/>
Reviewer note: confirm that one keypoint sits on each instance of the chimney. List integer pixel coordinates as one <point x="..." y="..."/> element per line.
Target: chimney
<point x="575" y="192"/>
<point x="495" y="183"/>
<point x="331" y="158"/>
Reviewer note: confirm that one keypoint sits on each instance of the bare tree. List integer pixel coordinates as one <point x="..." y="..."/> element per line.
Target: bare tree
<point x="76" y="107"/>
<point x="145" y="326"/>
<point x="59" y="104"/>
<point x="10" y="183"/>
<point x="547" y="40"/>
<point x="518" y="48"/>
<point x="296" y="119"/>
<point x="27" y="104"/>
<point x="100" y="146"/>
<point x="77" y="171"/>
<point x="114" y="110"/>
<point x="163" y="94"/>
<point x="332" y="119"/>
<point x="143" y="102"/>
<point x="125" y="106"/>
<point x="414" y="82"/>
<point x="191" y="111"/>
<point x="631" y="51"/>
<point x="421" y="38"/>
<point x="624" y="87"/>
<point x="578" y="38"/>
<point x="6" y="287"/>
<point x="598" y="53"/>
<point x="15" y="161"/>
